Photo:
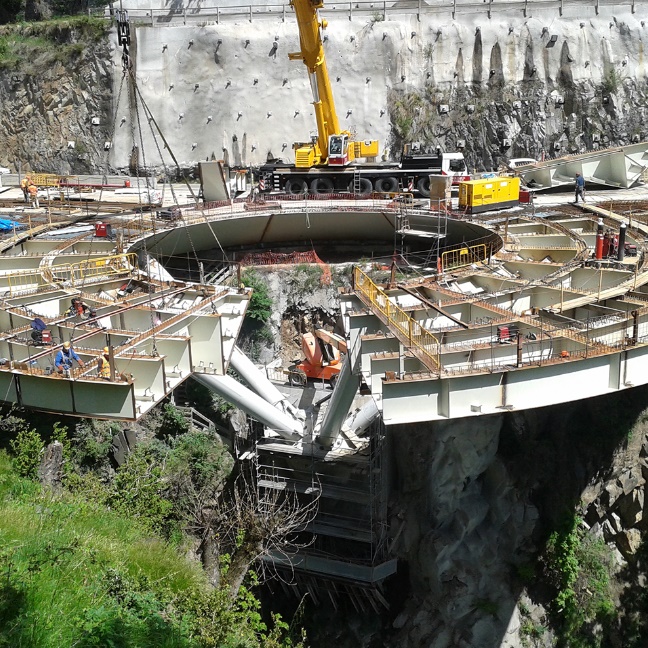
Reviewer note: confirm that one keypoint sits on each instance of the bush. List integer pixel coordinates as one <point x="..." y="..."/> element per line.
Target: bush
<point x="578" y="566"/>
<point x="260" y="308"/>
<point x="138" y="490"/>
<point x="173" y="422"/>
<point x="28" y="448"/>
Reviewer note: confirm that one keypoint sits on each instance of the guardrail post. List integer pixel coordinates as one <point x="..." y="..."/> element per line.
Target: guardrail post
<point x="418" y="11"/>
<point x="152" y="21"/>
<point x="490" y="2"/>
<point x="596" y="7"/>
<point x="250" y="13"/>
<point x="454" y="9"/>
<point x="560" y="9"/>
<point x="283" y="16"/>
<point x="525" y="8"/>
<point x="350" y="10"/>
<point x="385" y="9"/>
<point x="217" y="15"/>
<point x="184" y="16"/>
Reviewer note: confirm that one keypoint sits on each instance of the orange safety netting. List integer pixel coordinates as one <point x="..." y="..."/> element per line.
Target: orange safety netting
<point x="287" y="258"/>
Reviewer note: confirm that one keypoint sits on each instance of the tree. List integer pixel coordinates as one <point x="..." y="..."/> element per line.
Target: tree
<point x="236" y="526"/>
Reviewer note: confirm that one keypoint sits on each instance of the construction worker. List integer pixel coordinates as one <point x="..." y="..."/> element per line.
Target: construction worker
<point x="24" y="184"/>
<point x="65" y="357"/>
<point x="579" y="187"/>
<point x="103" y="362"/>
<point x="33" y="195"/>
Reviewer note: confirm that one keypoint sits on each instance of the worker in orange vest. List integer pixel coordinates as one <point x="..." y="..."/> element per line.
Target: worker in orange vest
<point x="33" y="194"/>
<point x="24" y="184"/>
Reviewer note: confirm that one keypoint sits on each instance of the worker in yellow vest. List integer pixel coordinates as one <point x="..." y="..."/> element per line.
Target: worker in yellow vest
<point x="24" y="184"/>
<point x="33" y="194"/>
<point x="104" y="364"/>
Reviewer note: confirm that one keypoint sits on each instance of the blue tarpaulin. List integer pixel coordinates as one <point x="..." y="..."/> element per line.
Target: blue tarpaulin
<point x="6" y="225"/>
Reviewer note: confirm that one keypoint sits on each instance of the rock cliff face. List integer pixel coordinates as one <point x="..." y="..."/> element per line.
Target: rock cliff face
<point x="477" y="500"/>
<point x="53" y="95"/>
<point x="498" y="86"/>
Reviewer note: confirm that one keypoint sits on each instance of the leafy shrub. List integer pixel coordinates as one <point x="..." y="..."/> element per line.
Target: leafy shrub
<point x="28" y="448"/>
<point x="260" y="308"/>
<point x="138" y="489"/>
<point x="173" y="421"/>
<point x="201" y="457"/>
<point x="578" y="566"/>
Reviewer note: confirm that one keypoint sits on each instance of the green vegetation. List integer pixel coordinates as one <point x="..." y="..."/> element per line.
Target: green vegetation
<point x="255" y="330"/>
<point x="100" y="561"/>
<point x="304" y="279"/>
<point x="48" y="42"/>
<point x="611" y="81"/>
<point x="260" y="307"/>
<point x="578" y="567"/>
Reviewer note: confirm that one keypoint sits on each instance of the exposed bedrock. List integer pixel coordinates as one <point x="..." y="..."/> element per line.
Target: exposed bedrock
<point x="475" y="500"/>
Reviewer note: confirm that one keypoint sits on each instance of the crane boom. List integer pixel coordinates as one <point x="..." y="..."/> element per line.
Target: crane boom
<point x="312" y="54"/>
<point x="331" y="146"/>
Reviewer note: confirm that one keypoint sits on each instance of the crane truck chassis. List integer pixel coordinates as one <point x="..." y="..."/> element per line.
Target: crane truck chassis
<point x="411" y="174"/>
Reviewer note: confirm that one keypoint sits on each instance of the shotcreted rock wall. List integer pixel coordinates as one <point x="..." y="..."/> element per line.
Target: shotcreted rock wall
<point x="508" y="85"/>
<point x="219" y="87"/>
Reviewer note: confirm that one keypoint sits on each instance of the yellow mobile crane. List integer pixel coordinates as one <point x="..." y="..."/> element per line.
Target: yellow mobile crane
<point x="332" y="146"/>
<point x="328" y="163"/>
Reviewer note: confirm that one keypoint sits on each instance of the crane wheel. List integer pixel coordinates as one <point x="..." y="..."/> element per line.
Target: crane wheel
<point x="322" y="186"/>
<point x="365" y="187"/>
<point x="423" y="186"/>
<point x="387" y="185"/>
<point x="297" y="377"/>
<point x="294" y="186"/>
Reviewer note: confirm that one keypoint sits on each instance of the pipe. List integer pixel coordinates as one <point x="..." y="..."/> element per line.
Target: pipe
<point x="259" y="383"/>
<point x="251" y="403"/>
<point x="346" y="386"/>
<point x="622" y="237"/>
<point x="362" y="418"/>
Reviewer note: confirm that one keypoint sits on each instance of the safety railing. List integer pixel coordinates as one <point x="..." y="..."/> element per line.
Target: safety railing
<point x="414" y="335"/>
<point x="463" y="256"/>
<point x="26" y="281"/>
<point x="69" y="274"/>
<point x="376" y="11"/>
<point x="116" y="264"/>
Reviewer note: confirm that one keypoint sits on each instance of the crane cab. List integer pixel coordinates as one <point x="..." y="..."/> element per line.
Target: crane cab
<point x="338" y="150"/>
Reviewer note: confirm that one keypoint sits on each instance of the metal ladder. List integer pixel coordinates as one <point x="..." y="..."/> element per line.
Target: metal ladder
<point x="356" y="182"/>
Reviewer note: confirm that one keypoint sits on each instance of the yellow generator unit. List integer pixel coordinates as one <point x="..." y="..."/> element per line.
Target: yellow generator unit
<point x="487" y="194"/>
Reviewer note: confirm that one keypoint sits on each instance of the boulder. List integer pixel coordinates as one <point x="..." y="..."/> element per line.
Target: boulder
<point x="628" y="541"/>
<point x="630" y="508"/>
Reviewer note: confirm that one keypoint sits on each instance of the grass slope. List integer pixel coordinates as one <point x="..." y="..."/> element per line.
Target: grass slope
<point x="75" y="574"/>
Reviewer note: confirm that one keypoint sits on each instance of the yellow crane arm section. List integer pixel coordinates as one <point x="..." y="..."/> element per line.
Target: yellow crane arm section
<point x="312" y="54"/>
